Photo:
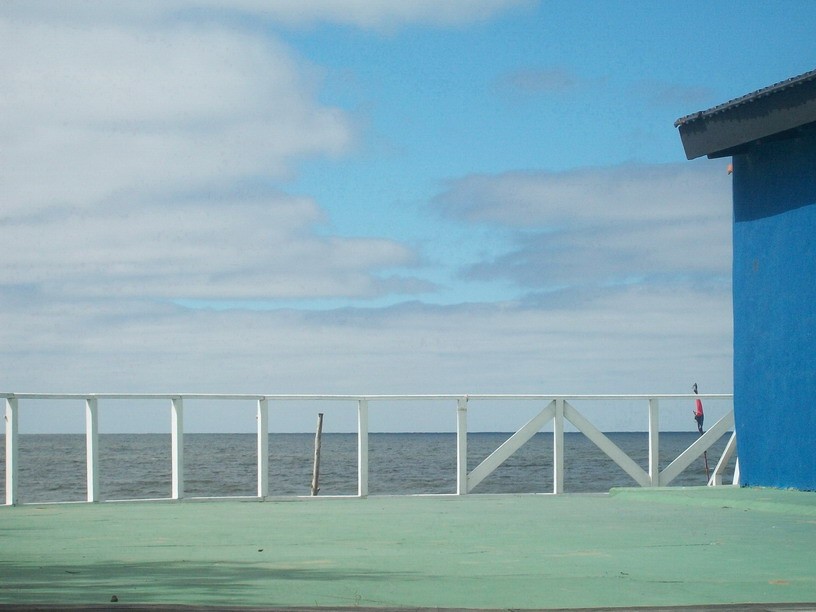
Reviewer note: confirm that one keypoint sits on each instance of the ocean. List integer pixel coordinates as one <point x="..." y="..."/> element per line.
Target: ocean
<point x="138" y="466"/>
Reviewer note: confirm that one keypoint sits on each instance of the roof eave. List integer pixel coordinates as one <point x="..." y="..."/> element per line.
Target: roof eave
<point x="776" y="110"/>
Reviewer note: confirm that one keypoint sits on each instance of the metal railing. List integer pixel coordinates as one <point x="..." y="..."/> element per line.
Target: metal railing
<point x="557" y="409"/>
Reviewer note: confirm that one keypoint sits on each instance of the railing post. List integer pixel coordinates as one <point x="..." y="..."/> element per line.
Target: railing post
<point x="362" y="448"/>
<point x="263" y="447"/>
<point x="92" y="449"/>
<point x="558" y="447"/>
<point x="12" y="425"/>
<point x="654" y="442"/>
<point x="177" y="447"/>
<point x="461" y="447"/>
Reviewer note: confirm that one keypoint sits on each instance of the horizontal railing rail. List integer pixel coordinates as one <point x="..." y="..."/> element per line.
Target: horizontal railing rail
<point x="557" y="409"/>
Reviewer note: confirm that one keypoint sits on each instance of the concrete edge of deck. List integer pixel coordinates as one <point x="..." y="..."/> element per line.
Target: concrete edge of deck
<point x="749" y="607"/>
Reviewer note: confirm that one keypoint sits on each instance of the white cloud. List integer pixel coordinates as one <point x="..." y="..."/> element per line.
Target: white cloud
<point x="603" y="226"/>
<point x="128" y="137"/>
<point x="590" y="196"/>
<point x="230" y="249"/>
<point x="367" y="14"/>
<point x="106" y="128"/>
<point x="96" y="110"/>
<point x="627" y="340"/>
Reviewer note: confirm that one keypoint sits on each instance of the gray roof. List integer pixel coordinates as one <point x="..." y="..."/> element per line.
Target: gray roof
<point x="775" y="112"/>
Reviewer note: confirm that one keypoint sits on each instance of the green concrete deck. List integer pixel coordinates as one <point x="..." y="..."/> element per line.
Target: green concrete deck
<point x="634" y="547"/>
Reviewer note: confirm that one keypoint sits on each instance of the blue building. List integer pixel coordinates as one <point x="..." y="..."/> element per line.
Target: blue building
<point x="771" y="136"/>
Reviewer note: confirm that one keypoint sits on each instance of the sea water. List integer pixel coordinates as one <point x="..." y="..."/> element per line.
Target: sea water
<point x="52" y="467"/>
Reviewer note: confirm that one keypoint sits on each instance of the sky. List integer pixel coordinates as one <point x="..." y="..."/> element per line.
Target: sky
<point x="370" y="197"/>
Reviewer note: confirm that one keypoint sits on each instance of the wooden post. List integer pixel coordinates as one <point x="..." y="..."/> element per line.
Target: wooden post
<point x="705" y="463"/>
<point x="316" y="471"/>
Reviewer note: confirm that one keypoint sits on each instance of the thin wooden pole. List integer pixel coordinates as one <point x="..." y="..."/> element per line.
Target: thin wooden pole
<point x="316" y="471"/>
<point x="705" y="462"/>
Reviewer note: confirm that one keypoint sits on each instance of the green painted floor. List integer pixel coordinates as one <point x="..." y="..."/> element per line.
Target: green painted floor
<point x="634" y="547"/>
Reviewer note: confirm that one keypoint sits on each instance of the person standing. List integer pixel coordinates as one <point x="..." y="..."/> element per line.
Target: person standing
<point x="698" y="411"/>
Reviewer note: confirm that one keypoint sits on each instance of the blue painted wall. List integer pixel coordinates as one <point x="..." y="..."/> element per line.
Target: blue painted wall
<point x="775" y="313"/>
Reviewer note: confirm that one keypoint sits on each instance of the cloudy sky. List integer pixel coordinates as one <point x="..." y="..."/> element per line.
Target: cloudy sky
<point x="370" y="197"/>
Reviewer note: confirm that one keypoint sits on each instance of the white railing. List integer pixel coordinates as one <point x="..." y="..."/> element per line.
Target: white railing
<point x="557" y="409"/>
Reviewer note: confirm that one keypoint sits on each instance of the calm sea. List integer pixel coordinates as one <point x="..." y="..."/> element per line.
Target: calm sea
<point x="137" y="466"/>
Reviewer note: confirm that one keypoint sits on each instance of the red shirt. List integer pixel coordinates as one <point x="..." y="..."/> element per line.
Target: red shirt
<point x="699" y="411"/>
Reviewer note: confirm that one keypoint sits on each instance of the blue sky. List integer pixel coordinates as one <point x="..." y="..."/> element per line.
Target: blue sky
<point x="370" y="197"/>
